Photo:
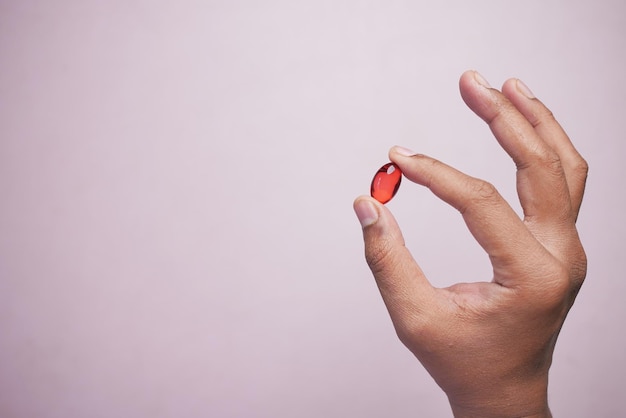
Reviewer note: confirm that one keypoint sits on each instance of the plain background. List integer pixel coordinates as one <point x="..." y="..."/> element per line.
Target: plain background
<point x="176" y="181"/>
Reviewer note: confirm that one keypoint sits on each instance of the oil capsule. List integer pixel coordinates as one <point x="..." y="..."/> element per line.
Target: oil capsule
<point x="386" y="182"/>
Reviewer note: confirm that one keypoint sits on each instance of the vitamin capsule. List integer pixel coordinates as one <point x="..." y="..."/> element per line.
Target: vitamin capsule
<point x="386" y="182"/>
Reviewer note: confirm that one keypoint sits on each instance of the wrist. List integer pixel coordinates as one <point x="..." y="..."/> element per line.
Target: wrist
<point x="529" y="400"/>
<point x="507" y="411"/>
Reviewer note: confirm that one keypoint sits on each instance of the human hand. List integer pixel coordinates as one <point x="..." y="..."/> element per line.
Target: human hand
<point x="489" y="345"/>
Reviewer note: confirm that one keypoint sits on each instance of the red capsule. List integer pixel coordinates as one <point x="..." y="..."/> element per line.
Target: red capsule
<point x="386" y="182"/>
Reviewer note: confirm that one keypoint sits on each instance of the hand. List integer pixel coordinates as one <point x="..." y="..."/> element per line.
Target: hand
<point x="489" y="345"/>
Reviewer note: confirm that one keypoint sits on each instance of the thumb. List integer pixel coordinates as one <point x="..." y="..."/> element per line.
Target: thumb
<point x="402" y="284"/>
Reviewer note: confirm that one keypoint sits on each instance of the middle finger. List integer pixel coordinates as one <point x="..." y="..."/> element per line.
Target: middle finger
<point x="541" y="183"/>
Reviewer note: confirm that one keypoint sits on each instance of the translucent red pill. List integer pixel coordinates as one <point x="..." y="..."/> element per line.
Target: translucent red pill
<point x="386" y="182"/>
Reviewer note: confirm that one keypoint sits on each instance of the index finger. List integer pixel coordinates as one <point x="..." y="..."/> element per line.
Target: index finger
<point x="490" y="219"/>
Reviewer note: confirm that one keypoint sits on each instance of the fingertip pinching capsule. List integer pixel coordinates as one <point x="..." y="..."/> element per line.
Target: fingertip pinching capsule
<point x="386" y="182"/>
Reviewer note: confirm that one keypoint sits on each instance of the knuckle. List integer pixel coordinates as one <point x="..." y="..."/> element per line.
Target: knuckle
<point x="553" y="289"/>
<point x="407" y="335"/>
<point x="435" y="167"/>
<point x="581" y="167"/>
<point x="414" y="332"/>
<point x="551" y="161"/>
<point x="548" y="114"/>
<point x="579" y="272"/>
<point x="482" y="190"/>
<point x="485" y="190"/>
<point x="578" y="266"/>
<point x="541" y="115"/>
<point x="479" y="193"/>
<point x="560" y="277"/>
<point x="544" y="115"/>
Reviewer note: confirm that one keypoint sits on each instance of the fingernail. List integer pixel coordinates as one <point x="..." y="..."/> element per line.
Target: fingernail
<point x="404" y="151"/>
<point x="523" y="88"/>
<point x="366" y="212"/>
<point x="481" y="80"/>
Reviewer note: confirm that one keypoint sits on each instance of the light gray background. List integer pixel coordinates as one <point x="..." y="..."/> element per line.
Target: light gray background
<point x="176" y="181"/>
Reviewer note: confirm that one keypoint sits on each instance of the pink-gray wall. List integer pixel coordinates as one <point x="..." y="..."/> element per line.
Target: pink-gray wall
<point x="176" y="179"/>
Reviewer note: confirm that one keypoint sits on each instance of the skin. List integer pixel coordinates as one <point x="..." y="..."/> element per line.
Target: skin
<point x="489" y="345"/>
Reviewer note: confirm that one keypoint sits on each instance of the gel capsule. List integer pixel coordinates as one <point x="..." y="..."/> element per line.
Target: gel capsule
<point x="386" y="182"/>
